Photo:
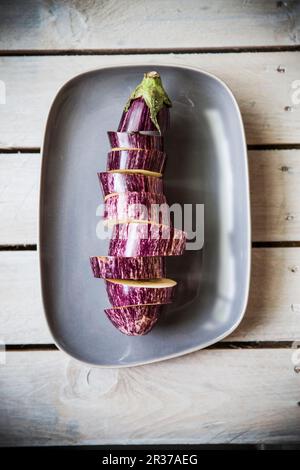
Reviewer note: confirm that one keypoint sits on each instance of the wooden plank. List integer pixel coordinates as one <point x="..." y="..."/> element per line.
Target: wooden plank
<point x="174" y="24"/>
<point x="275" y="195"/>
<point x="19" y="188"/>
<point x="273" y="312"/>
<point x="213" y="396"/>
<point x="21" y="312"/>
<point x="263" y="93"/>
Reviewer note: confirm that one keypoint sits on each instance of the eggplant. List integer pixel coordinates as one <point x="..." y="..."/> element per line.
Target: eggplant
<point x="111" y="182"/>
<point x="137" y="172"/>
<point x="131" y="292"/>
<point x="110" y="267"/>
<point x="134" y="140"/>
<point x="134" y="320"/>
<point x="135" y="238"/>
<point x="136" y="206"/>
<point x="142" y="159"/>
<point x="147" y="108"/>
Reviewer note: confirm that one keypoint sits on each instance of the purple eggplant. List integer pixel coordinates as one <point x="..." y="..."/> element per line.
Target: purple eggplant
<point x="136" y="206"/>
<point x="127" y="182"/>
<point x="110" y="267"/>
<point x="131" y="292"/>
<point x="149" y="160"/>
<point x="134" y="140"/>
<point x="146" y="239"/>
<point x="134" y="320"/>
<point x="148" y="107"/>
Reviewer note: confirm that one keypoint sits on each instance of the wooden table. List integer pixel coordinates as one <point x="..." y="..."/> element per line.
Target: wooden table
<point x="242" y="390"/>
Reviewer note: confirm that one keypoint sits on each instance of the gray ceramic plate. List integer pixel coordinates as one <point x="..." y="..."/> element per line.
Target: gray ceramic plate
<point x="207" y="164"/>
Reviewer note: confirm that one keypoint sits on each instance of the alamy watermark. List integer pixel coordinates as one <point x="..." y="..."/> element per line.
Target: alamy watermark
<point x="152" y="222"/>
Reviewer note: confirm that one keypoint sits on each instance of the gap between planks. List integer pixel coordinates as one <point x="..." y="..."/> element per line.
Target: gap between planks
<point x="167" y="50"/>
<point x="283" y="146"/>
<point x="220" y="345"/>
<point x="256" y="244"/>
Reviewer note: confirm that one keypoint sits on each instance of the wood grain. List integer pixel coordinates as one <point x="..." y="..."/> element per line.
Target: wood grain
<point x="138" y="24"/>
<point x="275" y="195"/>
<point x="228" y="396"/>
<point x="263" y="93"/>
<point x="19" y="193"/>
<point x="273" y="311"/>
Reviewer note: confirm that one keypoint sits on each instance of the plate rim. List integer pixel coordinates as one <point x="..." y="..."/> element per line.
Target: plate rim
<point x="184" y="352"/>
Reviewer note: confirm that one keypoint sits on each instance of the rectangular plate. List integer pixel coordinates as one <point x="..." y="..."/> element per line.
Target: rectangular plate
<point x="207" y="163"/>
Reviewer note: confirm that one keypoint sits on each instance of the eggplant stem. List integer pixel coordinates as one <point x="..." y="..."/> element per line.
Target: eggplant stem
<point x="153" y="93"/>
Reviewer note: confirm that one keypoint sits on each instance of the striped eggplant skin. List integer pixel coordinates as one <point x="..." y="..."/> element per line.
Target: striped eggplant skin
<point x="137" y="118"/>
<point x="136" y="206"/>
<point x="128" y="140"/>
<point x="123" y="183"/>
<point x="134" y="320"/>
<point x="124" y="294"/>
<point x="110" y="267"/>
<point x="150" y="160"/>
<point x="146" y="239"/>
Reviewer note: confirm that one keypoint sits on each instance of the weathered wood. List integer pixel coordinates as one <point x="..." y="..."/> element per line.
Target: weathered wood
<point x="19" y="188"/>
<point x="173" y="24"/>
<point x="275" y="195"/>
<point x="21" y="312"/>
<point x="263" y="93"/>
<point x="273" y="312"/>
<point x="213" y="396"/>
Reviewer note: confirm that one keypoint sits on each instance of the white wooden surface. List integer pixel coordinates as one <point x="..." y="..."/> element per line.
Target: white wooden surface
<point x="226" y="395"/>
<point x="273" y="312"/>
<point x="213" y="396"/>
<point x="262" y="92"/>
<point x="156" y="24"/>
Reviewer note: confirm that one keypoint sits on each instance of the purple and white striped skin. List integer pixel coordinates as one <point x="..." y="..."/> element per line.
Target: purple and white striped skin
<point x="123" y="183"/>
<point x="136" y="206"/>
<point x="146" y="239"/>
<point x="137" y="118"/>
<point x="110" y="267"/>
<point x="135" y="320"/>
<point x="130" y="292"/>
<point x="134" y="140"/>
<point x="149" y="160"/>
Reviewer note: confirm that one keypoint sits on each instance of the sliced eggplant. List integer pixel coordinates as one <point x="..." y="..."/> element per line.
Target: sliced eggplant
<point x="134" y="320"/>
<point x="111" y="267"/>
<point x="136" y="205"/>
<point x="136" y="238"/>
<point x="142" y="159"/>
<point x="115" y="182"/>
<point x="136" y="292"/>
<point x="138" y="172"/>
<point x="134" y="140"/>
